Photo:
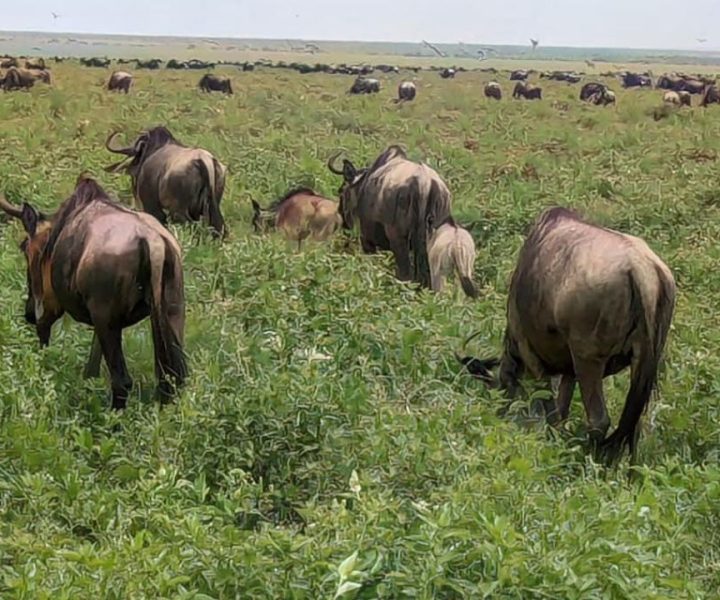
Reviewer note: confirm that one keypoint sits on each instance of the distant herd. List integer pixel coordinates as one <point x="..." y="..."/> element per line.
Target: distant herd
<point x="584" y="302"/>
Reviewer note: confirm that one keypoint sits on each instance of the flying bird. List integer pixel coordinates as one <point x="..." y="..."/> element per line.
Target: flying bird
<point x="55" y="15"/>
<point x="534" y="43"/>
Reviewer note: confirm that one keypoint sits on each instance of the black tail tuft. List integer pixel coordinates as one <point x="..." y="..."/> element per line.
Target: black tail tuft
<point x="468" y="287"/>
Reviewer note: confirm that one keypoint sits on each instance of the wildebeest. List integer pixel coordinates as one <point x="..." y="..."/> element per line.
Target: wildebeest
<point x="363" y="85"/>
<point x="602" y="97"/>
<point x="493" y="90"/>
<point x="152" y="63"/>
<point x="110" y="268"/>
<point x="677" y="98"/>
<point x="38" y="65"/>
<point x="591" y="88"/>
<point x="527" y="91"/>
<point x="248" y="66"/>
<point x="16" y="79"/>
<point x="194" y="63"/>
<point x="451" y="249"/>
<point x="519" y="75"/>
<point x="398" y="204"/>
<point x="120" y="81"/>
<point x="630" y="80"/>
<point x="448" y="73"/>
<point x="6" y="63"/>
<point x="680" y="83"/>
<point x="187" y="183"/>
<point x="298" y="215"/>
<point x="173" y="63"/>
<point x="95" y="62"/>
<point x="568" y="76"/>
<point x="406" y="91"/>
<point x="711" y="95"/>
<point x="584" y="303"/>
<point x="215" y="83"/>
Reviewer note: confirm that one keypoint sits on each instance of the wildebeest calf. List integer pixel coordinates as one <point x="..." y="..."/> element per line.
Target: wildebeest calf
<point x="215" y="83"/>
<point x="451" y="249"/>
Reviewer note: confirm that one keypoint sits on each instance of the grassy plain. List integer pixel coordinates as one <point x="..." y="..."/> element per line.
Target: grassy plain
<point x="326" y="442"/>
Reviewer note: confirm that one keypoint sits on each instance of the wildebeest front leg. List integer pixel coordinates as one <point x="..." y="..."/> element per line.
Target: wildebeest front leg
<point x="111" y="343"/>
<point x="92" y="368"/>
<point x="401" y="251"/>
<point x="590" y="376"/>
<point x="564" y="397"/>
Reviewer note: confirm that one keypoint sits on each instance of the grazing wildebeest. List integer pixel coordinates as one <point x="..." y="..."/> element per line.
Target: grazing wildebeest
<point x="16" y="79"/>
<point x="527" y="91"/>
<point x="630" y="80"/>
<point x="406" y="91"/>
<point x="602" y="97"/>
<point x="120" y="81"/>
<point x="591" y="88"/>
<point x="448" y="73"/>
<point x="215" y="83"/>
<point x="567" y="76"/>
<point x="493" y="90"/>
<point x="187" y="183"/>
<point x="451" y="249"/>
<point x="107" y="267"/>
<point x="6" y="63"/>
<point x="519" y="75"/>
<point x="173" y="63"/>
<point x="248" y="66"/>
<point x="95" y="62"/>
<point x="363" y="85"/>
<point x="584" y="303"/>
<point x="711" y="95"/>
<point x="398" y="204"/>
<point x="194" y="63"/>
<point x="298" y="215"/>
<point x="677" y="98"/>
<point x="681" y="83"/>
<point x="38" y="65"/>
<point x="152" y="64"/>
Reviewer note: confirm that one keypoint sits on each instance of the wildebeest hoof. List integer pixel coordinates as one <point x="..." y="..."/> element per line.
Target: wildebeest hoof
<point x="596" y="436"/>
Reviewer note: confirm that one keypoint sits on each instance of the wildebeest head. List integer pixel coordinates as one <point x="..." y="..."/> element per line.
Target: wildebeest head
<point x="137" y="153"/>
<point x="352" y="177"/>
<point x="40" y="297"/>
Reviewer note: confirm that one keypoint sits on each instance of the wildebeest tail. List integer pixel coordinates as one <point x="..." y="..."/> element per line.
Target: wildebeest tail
<point x="653" y="316"/>
<point x="464" y="259"/>
<point x="211" y="208"/>
<point x="436" y="209"/>
<point x="167" y="315"/>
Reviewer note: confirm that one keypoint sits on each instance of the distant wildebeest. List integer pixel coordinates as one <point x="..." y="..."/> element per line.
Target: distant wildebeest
<point x="711" y="95"/>
<point x="152" y="63"/>
<point x="567" y="76"/>
<point x="677" y="98"/>
<point x="248" y="66"/>
<point x="16" y="79"/>
<point x="110" y="268"/>
<point x="602" y="98"/>
<point x="493" y="90"/>
<point x="527" y="91"/>
<point x="173" y="63"/>
<point x="363" y="85"/>
<point x="215" y="83"/>
<point x="591" y="88"/>
<point x="451" y="249"/>
<point x="95" y="62"/>
<point x="406" y="91"/>
<point x="168" y="177"/>
<point x="6" y="63"/>
<point x="630" y="80"/>
<point x="519" y="75"/>
<point x="681" y="83"/>
<point x="585" y="303"/>
<point x="38" y="65"/>
<point x="448" y="73"/>
<point x="298" y="215"/>
<point x="398" y="204"/>
<point x="194" y="63"/>
<point x="120" y="81"/>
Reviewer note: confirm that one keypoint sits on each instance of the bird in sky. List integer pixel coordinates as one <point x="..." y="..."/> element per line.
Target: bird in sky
<point x="534" y="43"/>
<point x="55" y="16"/>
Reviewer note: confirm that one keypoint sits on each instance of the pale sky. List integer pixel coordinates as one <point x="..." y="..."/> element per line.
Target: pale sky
<point x="603" y="23"/>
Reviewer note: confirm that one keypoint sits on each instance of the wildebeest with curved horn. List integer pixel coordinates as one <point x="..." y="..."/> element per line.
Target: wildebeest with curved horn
<point x="215" y="83"/>
<point x="493" y="90"/>
<point x="120" y="81"/>
<point x="16" y="79"/>
<point x="38" y="65"/>
<point x="188" y="183"/>
<point x="108" y="267"/>
<point x="406" y="91"/>
<point x="398" y="204"/>
<point x="364" y="85"/>
<point x="584" y="303"/>
<point x="527" y="91"/>
<point x="298" y="215"/>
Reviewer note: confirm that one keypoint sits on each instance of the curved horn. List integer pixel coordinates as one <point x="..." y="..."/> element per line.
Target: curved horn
<point x="331" y="163"/>
<point x="129" y="151"/>
<point x="10" y="209"/>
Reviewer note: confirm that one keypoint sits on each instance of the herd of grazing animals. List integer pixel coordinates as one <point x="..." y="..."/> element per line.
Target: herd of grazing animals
<point x="584" y="302"/>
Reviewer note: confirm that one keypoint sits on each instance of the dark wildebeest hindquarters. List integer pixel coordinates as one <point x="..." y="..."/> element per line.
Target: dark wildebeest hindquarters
<point x="406" y="91"/>
<point x="711" y="95"/>
<point x="519" y="75"/>
<point x="188" y="183"/>
<point x="527" y="91"/>
<point x="298" y="215"/>
<point x="585" y="303"/>
<point x="363" y="85"/>
<point x="493" y="90"/>
<point x="630" y="80"/>
<point x="95" y="62"/>
<point x="398" y="204"/>
<point x="590" y="89"/>
<point x="120" y="81"/>
<point x="110" y="268"/>
<point x="448" y="73"/>
<point x="152" y="64"/>
<point x="215" y="83"/>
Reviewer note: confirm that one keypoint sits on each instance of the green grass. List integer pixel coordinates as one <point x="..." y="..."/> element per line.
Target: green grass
<point x="325" y="419"/>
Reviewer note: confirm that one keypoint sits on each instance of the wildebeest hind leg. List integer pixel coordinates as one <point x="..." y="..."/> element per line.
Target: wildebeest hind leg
<point x="111" y="343"/>
<point x="401" y="252"/>
<point x="590" y="376"/>
<point x="92" y="368"/>
<point x="564" y="397"/>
